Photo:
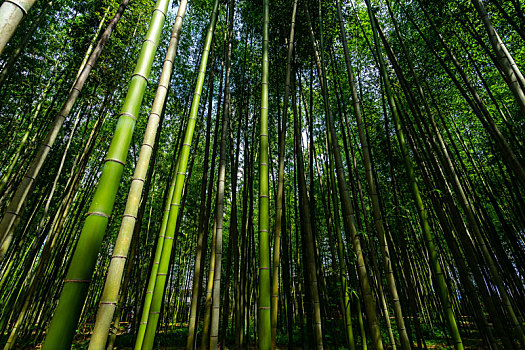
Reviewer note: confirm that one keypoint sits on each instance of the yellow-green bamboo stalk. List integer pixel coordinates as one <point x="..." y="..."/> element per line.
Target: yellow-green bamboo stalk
<point x="221" y="179"/>
<point x="435" y="266"/>
<point x="76" y="284"/>
<point x="280" y="184"/>
<point x="154" y="268"/>
<point x="264" y="321"/>
<point x="167" y="247"/>
<point x="109" y="297"/>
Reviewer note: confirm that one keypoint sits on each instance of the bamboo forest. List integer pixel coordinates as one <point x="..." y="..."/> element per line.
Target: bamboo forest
<point x="262" y="174"/>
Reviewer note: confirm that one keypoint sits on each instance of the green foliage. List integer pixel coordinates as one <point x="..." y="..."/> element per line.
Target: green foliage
<point x="57" y="47"/>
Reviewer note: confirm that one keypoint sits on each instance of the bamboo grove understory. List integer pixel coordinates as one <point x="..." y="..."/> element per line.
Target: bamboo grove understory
<point x="263" y="174"/>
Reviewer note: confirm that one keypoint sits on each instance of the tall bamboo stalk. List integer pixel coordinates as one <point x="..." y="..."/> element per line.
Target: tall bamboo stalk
<point x="78" y="278"/>
<point x="423" y="217"/>
<point x="109" y="297"/>
<point x="348" y="210"/>
<point x="204" y="210"/>
<point x="405" y="343"/>
<point x="264" y="321"/>
<point x="280" y="181"/>
<point x="513" y="76"/>
<point x="309" y="237"/>
<point x="219" y="208"/>
<point x="167" y="247"/>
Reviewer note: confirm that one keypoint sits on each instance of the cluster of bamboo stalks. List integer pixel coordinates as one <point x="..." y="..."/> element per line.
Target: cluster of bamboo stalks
<point x="428" y="236"/>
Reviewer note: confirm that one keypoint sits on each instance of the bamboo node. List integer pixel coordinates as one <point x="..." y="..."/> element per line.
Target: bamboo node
<point x="151" y="41"/>
<point x="162" y="12"/>
<point x="97" y="213"/>
<point x="128" y="115"/>
<point x="24" y="11"/>
<point x="115" y="160"/>
<point x="139" y="75"/>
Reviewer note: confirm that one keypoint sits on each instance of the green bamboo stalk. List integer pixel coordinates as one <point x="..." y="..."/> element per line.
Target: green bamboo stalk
<point x="209" y="290"/>
<point x="345" y="288"/>
<point x="308" y="235"/>
<point x="280" y="182"/>
<point x="510" y="70"/>
<point x="219" y="208"/>
<point x="160" y="282"/>
<point x="367" y="160"/>
<point x="34" y="284"/>
<point x="204" y="210"/>
<point x="264" y="322"/>
<point x="348" y="209"/>
<point x="362" y="331"/>
<point x="156" y="261"/>
<point x="109" y="297"/>
<point x="21" y="147"/>
<point x="422" y="213"/>
<point x="76" y="284"/>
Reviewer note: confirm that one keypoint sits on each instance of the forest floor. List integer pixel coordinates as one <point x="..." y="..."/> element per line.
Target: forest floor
<point x="176" y="340"/>
<point x="83" y="344"/>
